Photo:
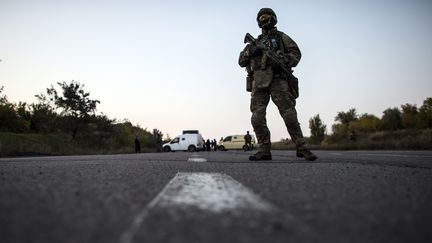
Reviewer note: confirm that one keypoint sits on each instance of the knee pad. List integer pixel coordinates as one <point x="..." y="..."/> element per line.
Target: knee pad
<point x="258" y="120"/>
<point x="290" y="117"/>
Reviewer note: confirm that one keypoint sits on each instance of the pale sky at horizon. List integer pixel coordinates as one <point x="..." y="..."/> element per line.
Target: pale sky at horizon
<point x="172" y="65"/>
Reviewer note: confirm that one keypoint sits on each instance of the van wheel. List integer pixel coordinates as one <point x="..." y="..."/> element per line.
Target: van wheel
<point x="191" y="148"/>
<point x="166" y="149"/>
<point x="221" y="148"/>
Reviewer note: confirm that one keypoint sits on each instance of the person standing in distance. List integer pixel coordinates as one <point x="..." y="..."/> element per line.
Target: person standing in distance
<point x="137" y="145"/>
<point x="270" y="81"/>
<point x="248" y="141"/>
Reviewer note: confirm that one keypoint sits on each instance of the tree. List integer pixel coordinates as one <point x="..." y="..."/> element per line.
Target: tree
<point x="425" y="114"/>
<point x="391" y="119"/>
<point x="3" y="97"/>
<point x="10" y="120"/>
<point x="317" y="128"/>
<point x="347" y="117"/>
<point x="44" y="118"/>
<point x="124" y="133"/>
<point x="157" y="137"/>
<point x="73" y="100"/>
<point x="365" y="123"/>
<point x="8" y="115"/>
<point x="409" y="115"/>
<point x="74" y="103"/>
<point x="341" y="129"/>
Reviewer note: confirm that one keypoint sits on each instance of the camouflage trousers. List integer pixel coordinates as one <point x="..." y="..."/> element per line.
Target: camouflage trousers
<point x="280" y="94"/>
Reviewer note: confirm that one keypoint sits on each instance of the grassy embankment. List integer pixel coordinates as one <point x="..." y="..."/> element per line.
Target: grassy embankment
<point x="396" y="140"/>
<point x="12" y="144"/>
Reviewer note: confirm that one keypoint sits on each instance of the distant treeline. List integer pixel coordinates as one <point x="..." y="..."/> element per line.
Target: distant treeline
<point x="67" y="118"/>
<point x="408" y="123"/>
<point x="70" y="111"/>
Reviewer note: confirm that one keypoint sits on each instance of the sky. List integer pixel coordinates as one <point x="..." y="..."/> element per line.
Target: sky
<point x="173" y="65"/>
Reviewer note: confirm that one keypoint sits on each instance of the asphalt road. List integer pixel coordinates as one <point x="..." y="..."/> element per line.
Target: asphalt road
<point x="344" y="196"/>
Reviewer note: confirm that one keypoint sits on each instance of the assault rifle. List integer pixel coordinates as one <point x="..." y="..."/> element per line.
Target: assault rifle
<point x="269" y="53"/>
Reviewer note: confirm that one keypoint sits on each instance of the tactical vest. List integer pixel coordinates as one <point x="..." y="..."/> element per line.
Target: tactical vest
<point x="278" y="44"/>
<point x="274" y="41"/>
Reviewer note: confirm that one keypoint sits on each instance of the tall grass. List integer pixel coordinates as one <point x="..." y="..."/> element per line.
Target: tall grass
<point x="394" y="140"/>
<point x="13" y="144"/>
<point x="16" y="144"/>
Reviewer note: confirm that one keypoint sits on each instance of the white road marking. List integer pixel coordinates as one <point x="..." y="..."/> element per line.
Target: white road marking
<point x="400" y="155"/>
<point x="196" y="158"/>
<point x="213" y="192"/>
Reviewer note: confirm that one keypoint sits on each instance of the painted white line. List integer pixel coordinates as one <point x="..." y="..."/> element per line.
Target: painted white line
<point x="196" y="158"/>
<point x="211" y="192"/>
<point x="400" y="155"/>
<point x="387" y="155"/>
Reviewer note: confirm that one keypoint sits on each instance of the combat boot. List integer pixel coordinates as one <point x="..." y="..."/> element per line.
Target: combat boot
<point x="303" y="152"/>
<point x="261" y="156"/>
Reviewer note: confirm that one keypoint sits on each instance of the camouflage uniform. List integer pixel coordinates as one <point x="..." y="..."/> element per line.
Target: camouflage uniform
<point x="282" y="88"/>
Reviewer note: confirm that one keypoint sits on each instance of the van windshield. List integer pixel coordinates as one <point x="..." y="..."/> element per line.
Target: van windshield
<point x="227" y="139"/>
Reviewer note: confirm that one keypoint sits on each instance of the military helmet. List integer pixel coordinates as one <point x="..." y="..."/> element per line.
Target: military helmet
<point x="271" y="22"/>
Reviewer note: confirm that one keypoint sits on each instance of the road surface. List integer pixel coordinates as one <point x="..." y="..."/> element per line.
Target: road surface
<point x="344" y="196"/>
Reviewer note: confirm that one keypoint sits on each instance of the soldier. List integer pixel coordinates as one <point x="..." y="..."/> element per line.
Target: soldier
<point x="208" y="145"/>
<point x="269" y="80"/>
<point x="248" y="141"/>
<point x="137" y="145"/>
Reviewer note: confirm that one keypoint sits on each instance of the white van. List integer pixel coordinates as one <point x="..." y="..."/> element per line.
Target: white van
<point x="185" y="142"/>
<point x="234" y="142"/>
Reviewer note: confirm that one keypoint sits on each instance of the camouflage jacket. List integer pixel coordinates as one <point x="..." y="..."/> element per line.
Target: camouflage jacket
<point x="279" y="42"/>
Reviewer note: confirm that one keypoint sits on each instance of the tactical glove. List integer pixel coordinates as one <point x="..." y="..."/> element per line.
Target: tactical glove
<point x="254" y="51"/>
